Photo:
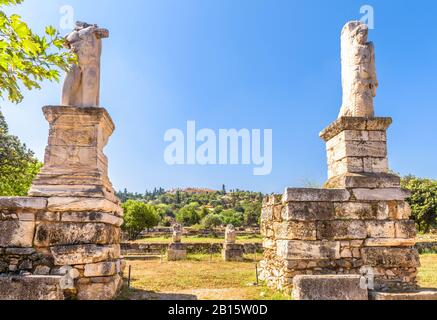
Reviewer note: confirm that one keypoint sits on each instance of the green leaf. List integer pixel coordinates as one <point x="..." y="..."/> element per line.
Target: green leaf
<point x="50" y="31"/>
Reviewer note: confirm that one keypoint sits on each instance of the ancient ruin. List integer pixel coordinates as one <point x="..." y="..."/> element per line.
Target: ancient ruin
<point x="360" y="220"/>
<point x="63" y="240"/>
<point x="176" y="250"/>
<point x="231" y="250"/>
<point x="358" y="71"/>
<point x="82" y="84"/>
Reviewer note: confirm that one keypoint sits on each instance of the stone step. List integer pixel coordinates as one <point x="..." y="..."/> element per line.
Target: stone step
<point x="428" y="294"/>
<point x="31" y="288"/>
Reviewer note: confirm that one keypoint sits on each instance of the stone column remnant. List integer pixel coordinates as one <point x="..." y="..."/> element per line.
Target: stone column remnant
<point x="66" y="234"/>
<point x="360" y="218"/>
<point x="358" y="71"/>
<point x="177" y="250"/>
<point x="231" y="250"/>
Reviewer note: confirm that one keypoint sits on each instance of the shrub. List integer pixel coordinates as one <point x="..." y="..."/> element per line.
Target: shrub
<point x="423" y="201"/>
<point x="188" y="215"/>
<point x="232" y="217"/>
<point x="137" y="217"/>
<point x="212" y="221"/>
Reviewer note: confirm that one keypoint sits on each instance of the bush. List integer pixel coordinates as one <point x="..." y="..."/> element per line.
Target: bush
<point x="188" y="215"/>
<point x="137" y="217"/>
<point x="232" y="217"/>
<point x="423" y="201"/>
<point x="212" y="221"/>
<point x="167" y="222"/>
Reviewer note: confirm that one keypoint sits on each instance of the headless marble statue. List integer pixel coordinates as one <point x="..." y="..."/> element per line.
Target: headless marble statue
<point x="82" y="84"/>
<point x="358" y="71"/>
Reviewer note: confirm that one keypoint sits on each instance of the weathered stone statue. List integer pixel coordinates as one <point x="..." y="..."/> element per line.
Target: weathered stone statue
<point x="177" y="233"/>
<point x="82" y="84"/>
<point x="231" y="250"/>
<point x="358" y="71"/>
<point x="177" y="250"/>
<point x="230" y="234"/>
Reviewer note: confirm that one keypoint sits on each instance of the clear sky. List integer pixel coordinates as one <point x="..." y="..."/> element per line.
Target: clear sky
<point x="243" y="64"/>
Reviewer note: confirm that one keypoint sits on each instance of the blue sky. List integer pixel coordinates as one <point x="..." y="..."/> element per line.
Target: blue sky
<point x="243" y="64"/>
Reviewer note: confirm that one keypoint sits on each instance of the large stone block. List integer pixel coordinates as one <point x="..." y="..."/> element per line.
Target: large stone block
<point x="67" y="233"/>
<point x="23" y="203"/>
<point x="356" y="124"/>
<point x="389" y="242"/>
<point x="31" y="288"/>
<point x="391" y="257"/>
<point x="424" y="295"/>
<point x="15" y="233"/>
<point x="341" y="230"/>
<point x="329" y="287"/>
<point x="394" y="210"/>
<point x="405" y="229"/>
<point x="308" y="211"/>
<point x="105" y="289"/>
<point x="295" y="230"/>
<point x="308" y="250"/>
<point x="389" y="194"/>
<point x="101" y="269"/>
<point x="176" y="252"/>
<point x="381" y="229"/>
<point x="354" y="210"/>
<point x="99" y="217"/>
<point x="359" y="149"/>
<point x="317" y="195"/>
<point x="363" y="180"/>
<point x="69" y="204"/>
<point x="84" y="254"/>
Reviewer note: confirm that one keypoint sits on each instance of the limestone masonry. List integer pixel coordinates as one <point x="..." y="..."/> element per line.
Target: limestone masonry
<point x="359" y="221"/>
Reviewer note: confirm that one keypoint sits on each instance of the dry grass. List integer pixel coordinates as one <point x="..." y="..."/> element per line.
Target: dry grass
<point x="428" y="271"/>
<point x="199" y="277"/>
<point x="205" y="278"/>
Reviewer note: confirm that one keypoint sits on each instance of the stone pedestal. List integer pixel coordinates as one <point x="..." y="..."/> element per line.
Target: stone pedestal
<point x="70" y="225"/>
<point x="176" y="252"/>
<point x="75" y="165"/>
<point x="360" y="221"/>
<point x="232" y="252"/>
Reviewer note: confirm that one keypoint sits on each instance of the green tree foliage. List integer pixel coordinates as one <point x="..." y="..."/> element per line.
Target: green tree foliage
<point x="212" y="221"/>
<point x="252" y="213"/>
<point x="138" y="216"/>
<point x="232" y="217"/>
<point x="27" y="59"/>
<point x="191" y="207"/>
<point x="189" y="214"/>
<point x="423" y="201"/>
<point x="18" y="166"/>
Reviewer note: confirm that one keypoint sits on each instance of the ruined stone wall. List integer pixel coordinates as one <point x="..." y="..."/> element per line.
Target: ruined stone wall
<point x="192" y="248"/>
<point x="336" y="232"/>
<point x="41" y="236"/>
<point x="360" y="220"/>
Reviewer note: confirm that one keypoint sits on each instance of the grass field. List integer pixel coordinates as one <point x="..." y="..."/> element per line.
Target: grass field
<point x="199" y="277"/>
<point x="209" y="278"/>
<point x="428" y="271"/>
